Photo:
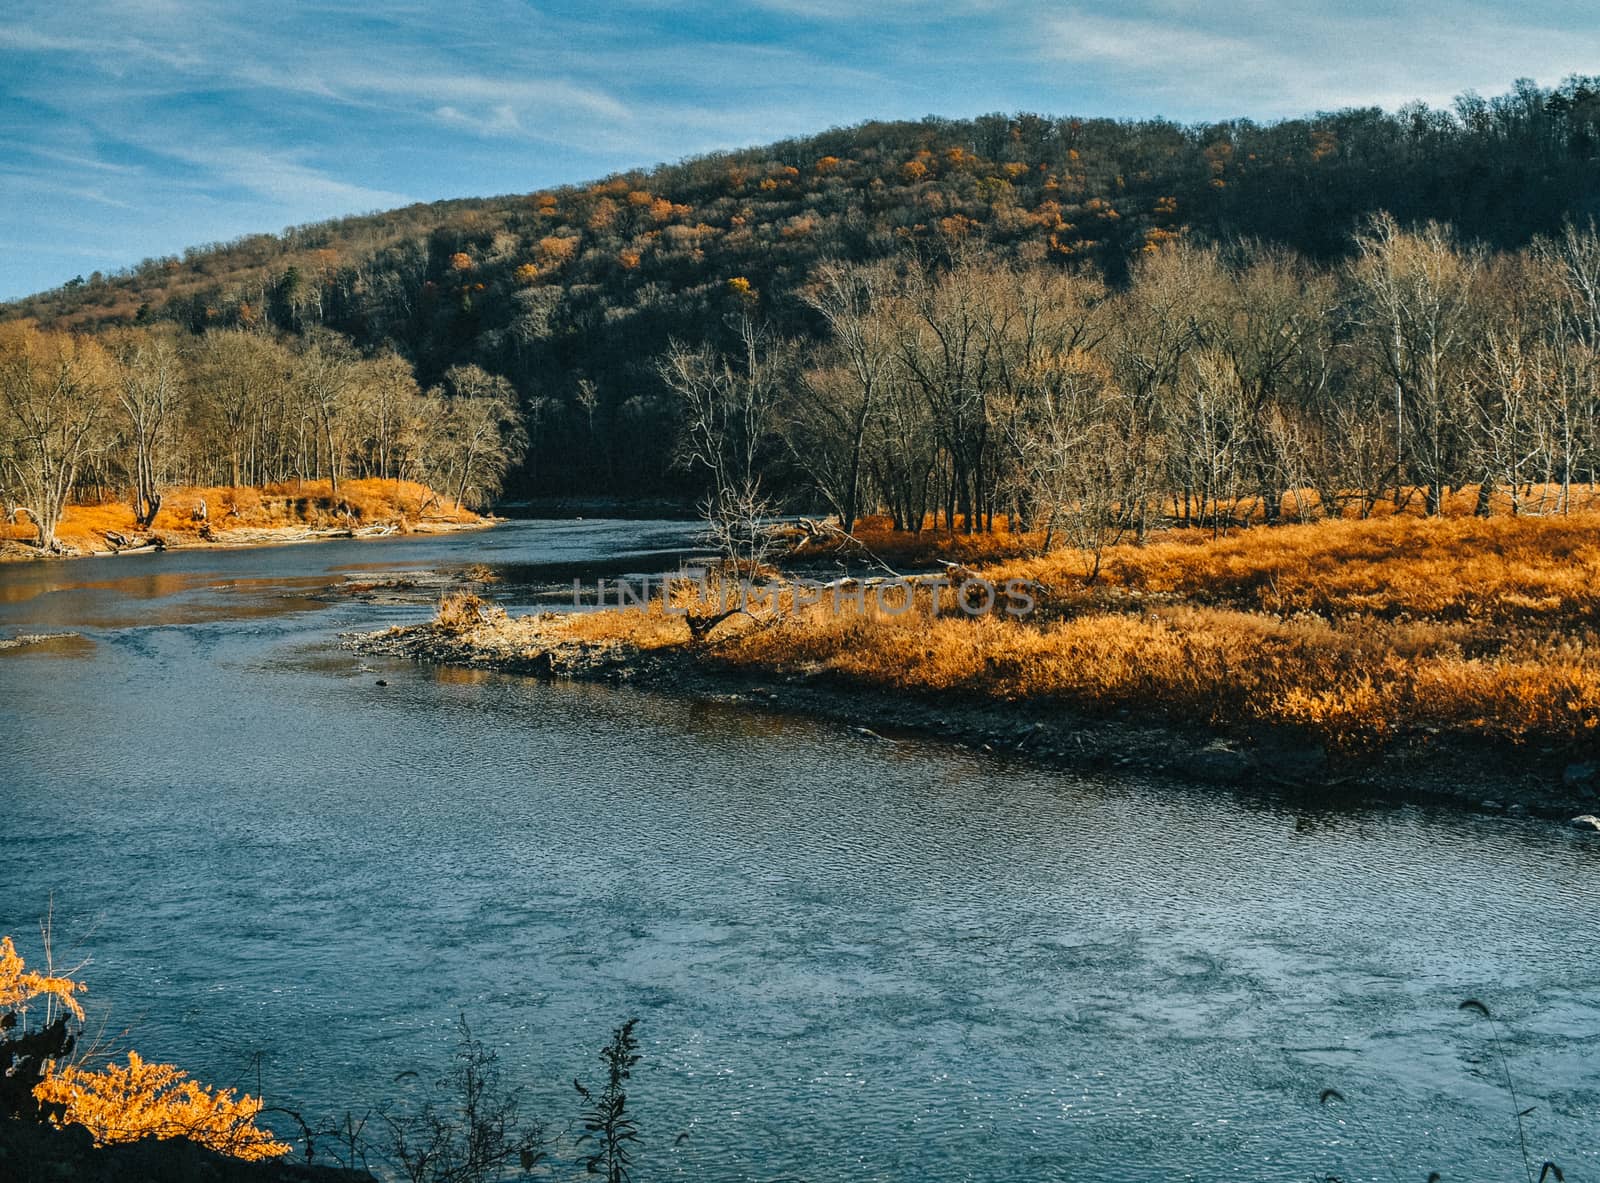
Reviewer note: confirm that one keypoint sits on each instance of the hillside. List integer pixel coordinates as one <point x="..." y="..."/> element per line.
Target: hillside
<point x="573" y="294"/>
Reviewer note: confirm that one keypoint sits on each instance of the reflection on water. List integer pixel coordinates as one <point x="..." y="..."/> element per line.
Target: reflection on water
<point x="851" y="960"/>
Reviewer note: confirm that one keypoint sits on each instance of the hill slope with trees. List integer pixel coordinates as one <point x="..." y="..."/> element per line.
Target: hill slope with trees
<point x="570" y="300"/>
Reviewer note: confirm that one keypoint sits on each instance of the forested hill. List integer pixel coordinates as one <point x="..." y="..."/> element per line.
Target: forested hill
<point x="573" y="294"/>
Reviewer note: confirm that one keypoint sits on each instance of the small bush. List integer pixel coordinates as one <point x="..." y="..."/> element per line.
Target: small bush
<point x="461" y="612"/>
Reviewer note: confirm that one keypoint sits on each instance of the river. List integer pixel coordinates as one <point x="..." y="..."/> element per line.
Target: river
<point x="850" y="960"/>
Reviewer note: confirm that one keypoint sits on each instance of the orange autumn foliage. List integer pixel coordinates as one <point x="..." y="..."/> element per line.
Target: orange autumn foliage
<point x="1355" y="631"/>
<point x="20" y="985"/>
<point x="142" y="1100"/>
<point x="556" y="249"/>
<point x="124" y="1104"/>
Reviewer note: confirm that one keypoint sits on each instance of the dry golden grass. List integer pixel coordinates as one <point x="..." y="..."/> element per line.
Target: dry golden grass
<point x="483" y="629"/>
<point x="1353" y="631"/>
<point x="1352" y="683"/>
<point x="462" y="612"/>
<point x="1495" y="570"/>
<point x="285" y="506"/>
<point x="937" y="543"/>
<point x="932" y="545"/>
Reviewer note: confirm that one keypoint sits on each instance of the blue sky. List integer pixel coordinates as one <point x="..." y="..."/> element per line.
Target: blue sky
<point x="139" y="127"/>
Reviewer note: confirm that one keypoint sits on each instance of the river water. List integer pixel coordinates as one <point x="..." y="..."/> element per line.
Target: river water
<point x="849" y="959"/>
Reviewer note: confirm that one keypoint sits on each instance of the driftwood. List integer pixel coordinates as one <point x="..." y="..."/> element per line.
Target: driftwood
<point x="700" y="626"/>
<point x="122" y="545"/>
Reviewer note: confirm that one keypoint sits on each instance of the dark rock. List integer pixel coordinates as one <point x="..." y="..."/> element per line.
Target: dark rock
<point x="32" y="1152"/>
<point x="1218" y="763"/>
<point x="1301" y="763"/>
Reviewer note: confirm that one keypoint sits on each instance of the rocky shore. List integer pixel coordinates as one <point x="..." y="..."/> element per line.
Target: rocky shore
<point x="228" y="539"/>
<point x="33" y="1152"/>
<point x="1475" y="774"/>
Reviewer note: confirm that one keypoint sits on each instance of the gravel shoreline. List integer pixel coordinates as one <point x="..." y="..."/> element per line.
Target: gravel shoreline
<point x="1478" y="775"/>
<point x="238" y="539"/>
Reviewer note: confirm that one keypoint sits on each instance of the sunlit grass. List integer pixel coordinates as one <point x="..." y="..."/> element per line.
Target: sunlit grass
<point x="291" y="504"/>
<point x="1352" y="631"/>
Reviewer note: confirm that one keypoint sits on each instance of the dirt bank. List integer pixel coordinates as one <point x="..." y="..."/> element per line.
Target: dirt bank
<point x="1478" y="774"/>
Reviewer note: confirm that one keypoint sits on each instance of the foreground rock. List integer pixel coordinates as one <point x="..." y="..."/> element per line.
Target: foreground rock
<point x="34" y="1153"/>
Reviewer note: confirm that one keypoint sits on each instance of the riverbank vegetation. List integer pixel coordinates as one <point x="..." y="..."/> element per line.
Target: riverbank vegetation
<point x="468" y="1126"/>
<point x="231" y="424"/>
<point x="248" y="515"/>
<point x="1220" y="387"/>
<point x="117" y="1103"/>
<point x="1353" y="634"/>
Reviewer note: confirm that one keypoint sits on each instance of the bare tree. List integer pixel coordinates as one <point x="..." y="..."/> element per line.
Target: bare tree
<point x="1070" y="439"/>
<point x="729" y="407"/>
<point x="1210" y="436"/>
<point x="326" y="377"/>
<point x="388" y="399"/>
<point x="238" y="389"/>
<point x="837" y="397"/>
<point x="149" y="390"/>
<point x="55" y="392"/>
<point x="477" y="435"/>
<point x="728" y="403"/>
<point x="1417" y="311"/>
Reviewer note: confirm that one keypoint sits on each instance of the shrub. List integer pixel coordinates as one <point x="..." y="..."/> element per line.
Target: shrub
<point x="116" y="1104"/>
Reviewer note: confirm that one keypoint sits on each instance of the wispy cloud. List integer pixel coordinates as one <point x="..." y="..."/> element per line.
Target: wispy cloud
<point x="285" y="178"/>
<point x="497" y="121"/>
<point x="73" y="160"/>
<point x="1288" y="58"/>
<point x="109" y="48"/>
<point x="22" y="182"/>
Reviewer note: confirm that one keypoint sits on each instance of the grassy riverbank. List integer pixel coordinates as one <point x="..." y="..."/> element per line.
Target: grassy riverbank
<point x="1438" y="649"/>
<point x="291" y="511"/>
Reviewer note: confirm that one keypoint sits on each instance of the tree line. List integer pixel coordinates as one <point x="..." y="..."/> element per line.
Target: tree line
<point x="573" y="293"/>
<point x="1216" y="384"/>
<point x="1219" y="384"/>
<point x="134" y="412"/>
